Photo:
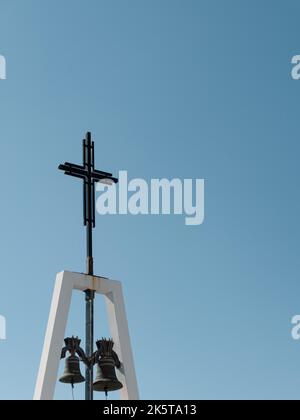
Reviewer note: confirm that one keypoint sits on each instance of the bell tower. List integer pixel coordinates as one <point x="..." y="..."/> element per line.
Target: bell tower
<point x="113" y="357"/>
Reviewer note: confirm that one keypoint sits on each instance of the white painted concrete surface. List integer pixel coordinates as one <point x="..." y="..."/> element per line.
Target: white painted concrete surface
<point x="66" y="282"/>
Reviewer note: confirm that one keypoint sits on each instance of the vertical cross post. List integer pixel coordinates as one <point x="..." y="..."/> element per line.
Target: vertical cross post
<point x="89" y="186"/>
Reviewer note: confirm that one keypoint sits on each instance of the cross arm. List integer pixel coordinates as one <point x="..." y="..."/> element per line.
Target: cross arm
<point x="72" y="170"/>
<point x="80" y="172"/>
<point x="83" y="168"/>
<point x="98" y="177"/>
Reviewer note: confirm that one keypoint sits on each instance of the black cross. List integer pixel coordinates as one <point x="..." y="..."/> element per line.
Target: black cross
<point x="89" y="176"/>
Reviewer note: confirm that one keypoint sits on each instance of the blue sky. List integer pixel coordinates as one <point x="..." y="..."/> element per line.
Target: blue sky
<point x="169" y="88"/>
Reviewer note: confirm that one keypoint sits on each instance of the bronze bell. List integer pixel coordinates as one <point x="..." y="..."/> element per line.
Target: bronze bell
<point x="72" y="374"/>
<point x="106" y="379"/>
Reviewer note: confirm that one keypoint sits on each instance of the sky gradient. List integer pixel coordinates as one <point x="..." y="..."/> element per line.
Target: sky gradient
<point x="174" y="89"/>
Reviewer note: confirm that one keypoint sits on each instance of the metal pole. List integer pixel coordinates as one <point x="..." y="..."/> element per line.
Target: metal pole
<point x="89" y="342"/>
<point x="90" y="295"/>
<point x="89" y="176"/>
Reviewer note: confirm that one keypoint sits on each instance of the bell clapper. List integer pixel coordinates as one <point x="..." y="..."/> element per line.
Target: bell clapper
<point x="73" y="386"/>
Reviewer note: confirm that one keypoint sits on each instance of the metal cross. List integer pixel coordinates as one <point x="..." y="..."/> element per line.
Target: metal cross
<point x="89" y="176"/>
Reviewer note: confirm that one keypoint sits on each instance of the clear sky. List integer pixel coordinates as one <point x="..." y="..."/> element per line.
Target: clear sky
<point x="169" y="88"/>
